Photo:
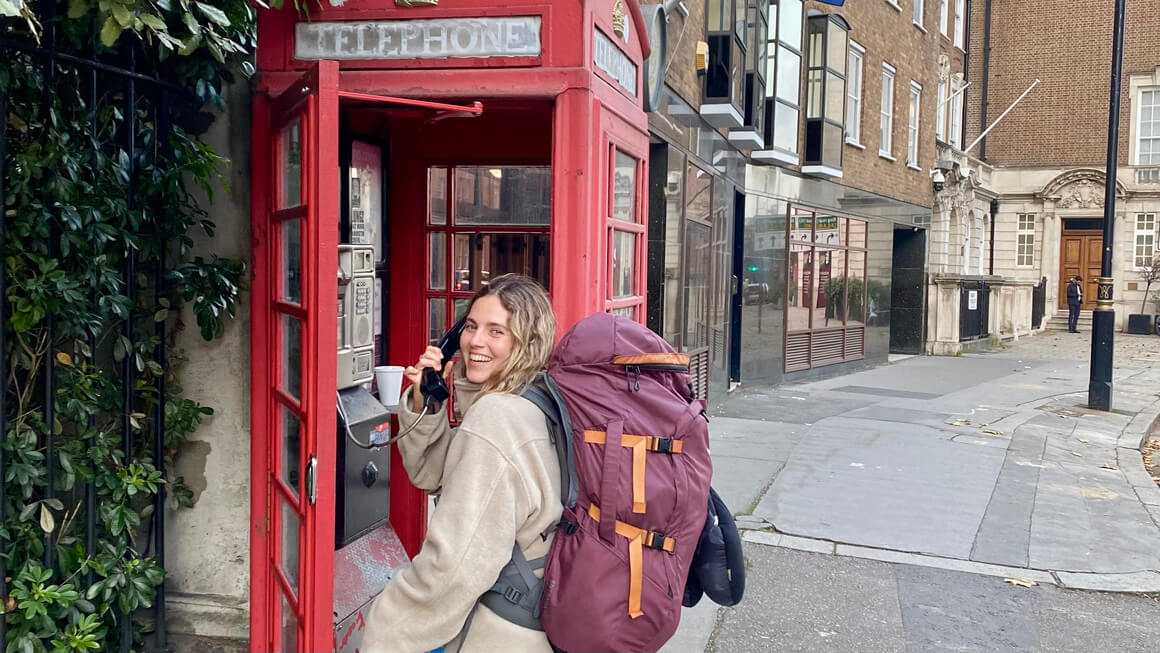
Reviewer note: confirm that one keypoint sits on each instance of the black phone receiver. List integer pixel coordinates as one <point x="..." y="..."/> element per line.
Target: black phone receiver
<point x="433" y="387"/>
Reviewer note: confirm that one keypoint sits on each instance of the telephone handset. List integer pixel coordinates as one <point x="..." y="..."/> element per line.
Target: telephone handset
<point x="433" y="386"/>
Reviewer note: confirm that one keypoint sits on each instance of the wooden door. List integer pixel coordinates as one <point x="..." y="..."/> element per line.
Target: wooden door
<point x="1080" y="254"/>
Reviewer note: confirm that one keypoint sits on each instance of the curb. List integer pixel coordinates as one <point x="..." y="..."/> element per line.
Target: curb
<point x="1130" y="462"/>
<point x="1139" y="582"/>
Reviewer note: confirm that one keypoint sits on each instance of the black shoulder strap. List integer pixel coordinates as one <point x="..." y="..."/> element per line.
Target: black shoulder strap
<point x="545" y="394"/>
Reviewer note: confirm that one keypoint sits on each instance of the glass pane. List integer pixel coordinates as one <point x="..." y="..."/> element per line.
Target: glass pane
<point x="816" y="33"/>
<point x="814" y="93"/>
<point x="291" y="448"/>
<point x="290" y="154"/>
<point x="674" y="211"/>
<point x="624" y="187"/>
<point x="835" y="97"/>
<point x="801" y="227"/>
<point x="437" y="254"/>
<point x="365" y="197"/>
<point x="813" y="287"/>
<point x="790" y="23"/>
<point x="698" y="250"/>
<point x="437" y="190"/>
<point x="292" y="261"/>
<point x="856" y="296"/>
<point x="715" y="13"/>
<point x="461" y="305"/>
<point x="291" y="356"/>
<point x="739" y="19"/>
<point x="836" y="48"/>
<point x="503" y="195"/>
<point x="857" y="233"/>
<point x="832" y="277"/>
<point x="698" y="193"/>
<point x="789" y="67"/>
<point x="785" y="134"/>
<point x="832" y="145"/>
<point x="826" y="230"/>
<point x="289" y="628"/>
<point x="436" y="319"/>
<point x="800" y="277"/>
<point x="627" y="311"/>
<point x="290" y="538"/>
<point x="623" y="264"/>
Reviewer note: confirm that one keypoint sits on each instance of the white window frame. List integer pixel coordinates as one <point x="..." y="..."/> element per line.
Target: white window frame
<point x="886" y="117"/>
<point x="1154" y="132"/>
<point x="940" y="112"/>
<point x="1025" y="240"/>
<point x="1144" y="244"/>
<point x="912" y="120"/>
<point x="894" y="3"/>
<point x="956" y="118"/>
<point x="919" y="14"/>
<point x="960" y="22"/>
<point x="943" y="17"/>
<point x="854" y="75"/>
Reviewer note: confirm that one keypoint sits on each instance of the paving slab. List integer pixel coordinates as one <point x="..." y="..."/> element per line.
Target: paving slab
<point x="1139" y="582"/>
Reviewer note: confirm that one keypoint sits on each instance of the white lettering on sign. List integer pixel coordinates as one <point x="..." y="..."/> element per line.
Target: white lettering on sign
<point x="509" y="36"/>
<point x="611" y="60"/>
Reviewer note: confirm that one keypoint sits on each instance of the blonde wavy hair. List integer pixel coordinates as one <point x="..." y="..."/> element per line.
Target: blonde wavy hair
<point x="532" y="324"/>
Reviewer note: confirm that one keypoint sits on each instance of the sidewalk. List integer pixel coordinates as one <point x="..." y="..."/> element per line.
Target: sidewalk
<point x="985" y="463"/>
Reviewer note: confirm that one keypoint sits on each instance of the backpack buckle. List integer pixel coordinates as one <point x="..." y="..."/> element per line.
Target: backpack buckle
<point x="514" y="595"/>
<point x="657" y="541"/>
<point x="568" y="526"/>
<point x="664" y="445"/>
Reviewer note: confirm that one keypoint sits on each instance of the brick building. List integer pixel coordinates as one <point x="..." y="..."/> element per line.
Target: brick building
<point x="792" y="144"/>
<point x="1044" y="163"/>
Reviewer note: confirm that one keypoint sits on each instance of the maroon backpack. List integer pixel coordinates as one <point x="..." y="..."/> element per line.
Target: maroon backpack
<point x="634" y="455"/>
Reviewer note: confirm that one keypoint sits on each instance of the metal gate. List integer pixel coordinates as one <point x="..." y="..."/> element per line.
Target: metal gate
<point x="127" y="119"/>
<point x="974" y="309"/>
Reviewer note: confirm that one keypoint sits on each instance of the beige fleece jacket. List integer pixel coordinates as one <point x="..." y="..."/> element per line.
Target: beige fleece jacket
<point x="499" y="482"/>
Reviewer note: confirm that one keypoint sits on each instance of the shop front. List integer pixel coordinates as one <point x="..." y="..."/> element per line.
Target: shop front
<point x="402" y="156"/>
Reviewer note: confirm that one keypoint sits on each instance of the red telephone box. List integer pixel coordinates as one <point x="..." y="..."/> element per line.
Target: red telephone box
<point x="401" y="157"/>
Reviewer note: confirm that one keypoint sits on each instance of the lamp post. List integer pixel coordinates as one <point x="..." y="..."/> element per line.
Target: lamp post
<point x="1104" y="317"/>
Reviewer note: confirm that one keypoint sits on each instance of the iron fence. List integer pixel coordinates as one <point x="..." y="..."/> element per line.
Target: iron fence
<point x="1038" y="303"/>
<point x="111" y="81"/>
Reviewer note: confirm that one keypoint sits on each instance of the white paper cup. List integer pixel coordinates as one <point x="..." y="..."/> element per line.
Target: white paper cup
<point x="389" y="379"/>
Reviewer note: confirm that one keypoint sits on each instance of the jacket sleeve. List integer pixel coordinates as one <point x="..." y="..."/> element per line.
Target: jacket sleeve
<point x="424" y="450"/>
<point x="469" y="540"/>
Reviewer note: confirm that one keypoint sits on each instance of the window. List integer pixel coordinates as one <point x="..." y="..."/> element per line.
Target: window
<point x="854" y="94"/>
<point x="942" y="17"/>
<point x="783" y="66"/>
<point x="625" y="294"/>
<point x="724" y="85"/>
<point x="750" y="135"/>
<point x="825" y="95"/>
<point x="1025" y="240"/>
<point x="827" y="301"/>
<point x="960" y="17"/>
<point x="483" y="221"/>
<point x="886" y="124"/>
<point x="1145" y="239"/>
<point x="1148" y="147"/>
<point x="918" y="10"/>
<point x="912" y="125"/>
<point x="956" y="126"/>
<point x="940" y="112"/>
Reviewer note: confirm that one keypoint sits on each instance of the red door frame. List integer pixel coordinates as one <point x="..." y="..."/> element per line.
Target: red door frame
<point x="589" y="108"/>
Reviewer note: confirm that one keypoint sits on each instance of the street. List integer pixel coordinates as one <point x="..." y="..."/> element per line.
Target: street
<point x="883" y="510"/>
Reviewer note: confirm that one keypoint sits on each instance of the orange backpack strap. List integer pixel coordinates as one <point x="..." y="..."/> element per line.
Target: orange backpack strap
<point x="639" y="445"/>
<point x="638" y="538"/>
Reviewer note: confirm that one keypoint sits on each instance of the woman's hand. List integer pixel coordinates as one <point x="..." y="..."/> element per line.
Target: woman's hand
<point x="431" y="357"/>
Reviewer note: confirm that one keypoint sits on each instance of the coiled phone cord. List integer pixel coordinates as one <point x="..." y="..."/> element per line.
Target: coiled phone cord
<point x="376" y="445"/>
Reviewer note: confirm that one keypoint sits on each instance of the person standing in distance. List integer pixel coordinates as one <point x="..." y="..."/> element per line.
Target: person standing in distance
<point x="1074" y="300"/>
<point x="497" y="476"/>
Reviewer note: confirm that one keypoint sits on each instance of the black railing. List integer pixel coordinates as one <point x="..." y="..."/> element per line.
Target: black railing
<point x="112" y="82"/>
<point x="974" y="309"/>
<point x="1038" y="304"/>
